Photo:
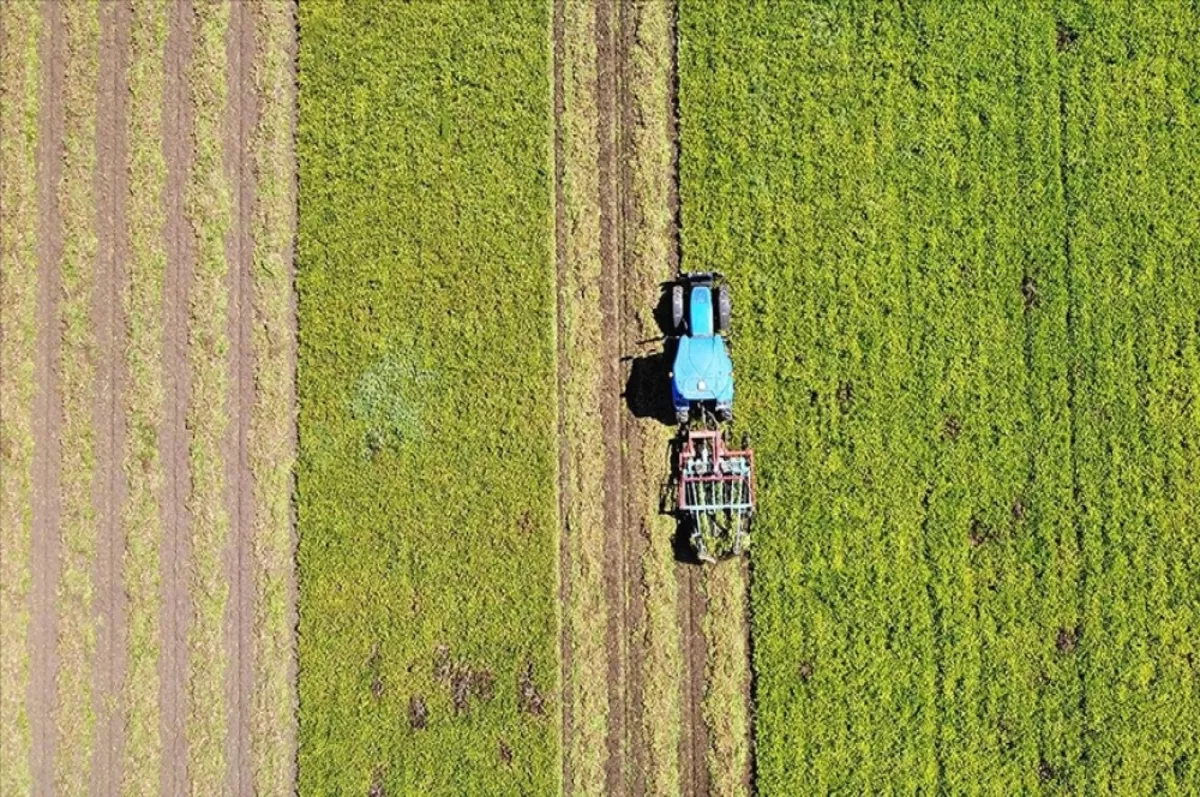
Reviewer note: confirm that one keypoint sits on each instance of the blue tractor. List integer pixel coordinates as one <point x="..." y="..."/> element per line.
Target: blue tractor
<point x="702" y="373"/>
<point x="715" y="483"/>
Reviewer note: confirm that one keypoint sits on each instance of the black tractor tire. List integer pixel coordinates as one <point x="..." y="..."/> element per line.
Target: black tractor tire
<point x="725" y="414"/>
<point x="724" y="309"/>
<point x="682" y="417"/>
<point x="677" y="309"/>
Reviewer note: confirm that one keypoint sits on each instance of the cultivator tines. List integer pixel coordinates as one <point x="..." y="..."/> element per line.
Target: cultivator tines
<point x="716" y="491"/>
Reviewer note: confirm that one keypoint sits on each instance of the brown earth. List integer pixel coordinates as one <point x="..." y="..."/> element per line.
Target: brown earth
<point x="47" y="415"/>
<point x="111" y="376"/>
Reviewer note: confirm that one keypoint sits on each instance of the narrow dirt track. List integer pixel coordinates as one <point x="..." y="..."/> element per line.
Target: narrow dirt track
<point x="624" y="286"/>
<point x="109" y="325"/>
<point x="47" y="418"/>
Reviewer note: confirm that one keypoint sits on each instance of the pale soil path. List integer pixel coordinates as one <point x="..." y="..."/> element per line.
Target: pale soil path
<point x="47" y="418"/>
<point x="108" y="324"/>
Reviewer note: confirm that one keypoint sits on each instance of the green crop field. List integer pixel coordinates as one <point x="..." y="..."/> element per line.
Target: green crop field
<point x="963" y="244"/>
<point x="427" y="465"/>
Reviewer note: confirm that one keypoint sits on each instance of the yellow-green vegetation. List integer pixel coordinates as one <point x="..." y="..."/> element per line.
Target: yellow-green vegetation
<point x="727" y="671"/>
<point x="142" y="297"/>
<point x="208" y="208"/>
<point x="586" y="613"/>
<point x="428" y="462"/>
<point x="20" y="83"/>
<point x="649" y="265"/>
<point x="73" y="713"/>
<point x="272" y="426"/>
<point x="965" y="241"/>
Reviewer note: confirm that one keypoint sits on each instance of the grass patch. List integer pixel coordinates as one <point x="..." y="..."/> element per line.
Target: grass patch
<point x="272" y="420"/>
<point x="20" y="85"/>
<point x="208" y="208"/>
<point x="142" y="297"/>
<point x="586" y="613"/>
<point x="74" y="716"/>
<point x="649" y="266"/>
<point x="967" y="386"/>
<point x="428" y="523"/>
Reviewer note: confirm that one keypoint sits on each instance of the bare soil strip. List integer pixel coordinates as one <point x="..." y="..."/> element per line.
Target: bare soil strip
<point x="173" y="446"/>
<point x="19" y="101"/>
<point x="273" y="418"/>
<point x="47" y="418"/>
<point x="618" y="769"/>
<point x="240" y="120"/>
<point x="109" y="324"/>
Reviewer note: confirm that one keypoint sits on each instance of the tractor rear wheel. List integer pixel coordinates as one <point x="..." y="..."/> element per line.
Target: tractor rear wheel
<point x="724" y="309"/>
<point x="677" y="309"/>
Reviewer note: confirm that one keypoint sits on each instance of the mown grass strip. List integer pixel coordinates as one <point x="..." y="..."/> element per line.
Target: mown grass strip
<point x="142" y="298"/>
<point x="726" y="705"/>
<point x="649" y="266"/>
<point x="428" y="463"/>
<point x="20" y="85"/>
<point x="272" y="420"/>
<point x="209" y="209"/>
<point x="73" y="712"/>
<point x="586" y="615"/>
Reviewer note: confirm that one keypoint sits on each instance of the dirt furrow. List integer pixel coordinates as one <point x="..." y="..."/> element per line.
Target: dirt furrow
<point x="47" y="409"/>
<point x="617" y="769"/>
<point x="240" y="118"/>
<point x="108" y="323"/>
<point x="173" y="441"/>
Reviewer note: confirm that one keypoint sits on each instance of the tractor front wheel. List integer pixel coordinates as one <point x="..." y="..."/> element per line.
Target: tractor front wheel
<point x="677" y="309"/>
<point x="724" y="309"/>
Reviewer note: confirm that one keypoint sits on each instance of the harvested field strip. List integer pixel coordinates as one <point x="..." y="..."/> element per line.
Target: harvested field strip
<point x="1129" y="90"/>
<point x="272" y="422"/>
<point x="651" y="246"/>
<point x="586" y="682"/>
<point x="20" y="86"/>
<point x="208" y="208"/>
<point x="726" y="703"/>
<point x="426" y="499"/>
<point x="74" y="716"/>
<point x="142" y="519"/>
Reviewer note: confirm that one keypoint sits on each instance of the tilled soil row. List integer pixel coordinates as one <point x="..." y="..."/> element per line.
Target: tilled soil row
<point x="114" y="590"/>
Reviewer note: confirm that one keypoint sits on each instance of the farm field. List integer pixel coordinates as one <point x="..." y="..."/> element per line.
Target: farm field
<point x="146" y="419"/>
<point x="964" y="247"/>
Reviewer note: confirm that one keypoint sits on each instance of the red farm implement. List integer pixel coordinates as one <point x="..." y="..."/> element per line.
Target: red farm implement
<point x="716" y="493"/>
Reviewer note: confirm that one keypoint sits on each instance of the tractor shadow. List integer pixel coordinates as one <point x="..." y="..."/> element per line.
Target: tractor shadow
<point x="648" y="389"/>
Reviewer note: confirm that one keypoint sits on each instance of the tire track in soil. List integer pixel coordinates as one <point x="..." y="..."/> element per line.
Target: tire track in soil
<point x="47" y="418"/>
<point x="627" y="297"/>
<point x="109" y="418"/>
<point x="617" y="769"/>
<point x="173" y="440"/>
<point x="241" y="115"/>
<point x="692" y="601"/>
